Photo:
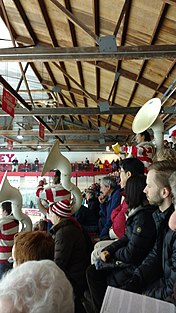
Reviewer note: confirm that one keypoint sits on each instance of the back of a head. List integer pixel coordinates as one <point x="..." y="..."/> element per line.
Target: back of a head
<point x="36" y="287"/>
<point x="34" y="245"/>
<point x="134" y="188"/>
<point x="7" y="206"/>
<point x="132" y="165"/>
<point x="166" y="154"/>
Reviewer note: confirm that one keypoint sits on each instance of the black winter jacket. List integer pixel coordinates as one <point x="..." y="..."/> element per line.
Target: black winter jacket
<point x="135" y="244"/>
<point x="158" y="270"/>
<point x="71" y="252"/>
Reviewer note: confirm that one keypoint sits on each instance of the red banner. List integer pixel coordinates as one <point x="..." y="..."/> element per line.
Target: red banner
<point x="9" y="144"/>
<point x="8" y="102"/>
<point x="41" y="131"/>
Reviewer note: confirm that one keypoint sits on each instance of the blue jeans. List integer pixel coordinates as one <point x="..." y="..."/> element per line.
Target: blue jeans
<point x="4" y="267"/>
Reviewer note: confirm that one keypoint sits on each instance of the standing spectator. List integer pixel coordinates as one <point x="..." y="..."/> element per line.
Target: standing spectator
<point x="109" y="199"/>
<point x="8" y="228"/>
<point x="15" y="165"/>
<point x="87" y="164"/>
<point x="53" y="193"/>
<point x="144" y="150"/>
<point x="173" y="138"/>
<point x="36" y="164"/>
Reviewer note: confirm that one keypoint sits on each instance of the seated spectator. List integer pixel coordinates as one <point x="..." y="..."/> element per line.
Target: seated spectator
<point x="34" y="245"/>
<point x="173" y="138"/>
<point x="128" y="168"/>
<point x="172" y="225"/>
<point x="71" y="251"/>
<point x="109" y="199"/>
<point x="156" y="276"/>
<point x="41" y="225"/>
<point x="36" y="287"/>
<point x="118" y="261"/>
<point x="166" y="154"/>
<point x="88" y="216"/>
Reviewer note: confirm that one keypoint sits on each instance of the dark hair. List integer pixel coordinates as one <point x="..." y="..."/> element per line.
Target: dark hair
<point x="146" y="135"/>
<point x="132" y="165"/>
<point x="57" y="175"/>
<point x="134" y="194"/>
<point x="34" y="245"/>
<point x="40" y="225"/>
<point x="7" y="206"/>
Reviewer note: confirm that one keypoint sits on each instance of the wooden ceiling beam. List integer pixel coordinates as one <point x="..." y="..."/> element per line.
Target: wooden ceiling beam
<point x="26" y="21"/>
<point x="74" y="19"/>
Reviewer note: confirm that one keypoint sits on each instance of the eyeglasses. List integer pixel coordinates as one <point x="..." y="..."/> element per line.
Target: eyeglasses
<point x="11" y="260"/>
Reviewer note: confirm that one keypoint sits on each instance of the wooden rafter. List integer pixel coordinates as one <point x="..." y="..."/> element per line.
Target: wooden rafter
<point x="143" y="66"/>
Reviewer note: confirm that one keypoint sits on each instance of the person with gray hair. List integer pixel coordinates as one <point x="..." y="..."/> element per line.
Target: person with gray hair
<point x="109" y="199"/>
<point x="36" y="287"/>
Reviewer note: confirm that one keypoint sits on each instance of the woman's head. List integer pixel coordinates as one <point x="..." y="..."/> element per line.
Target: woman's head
<point x="36" y="286"/>
<point x="134" y="191"/>
<point x="144" y="136"/>
<point x="59" y="210"/>
<point x="35" y="245"/>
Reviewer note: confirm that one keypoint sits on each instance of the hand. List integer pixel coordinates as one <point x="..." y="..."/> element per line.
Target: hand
<point x="101" y="199"/>
<point x="104" y="256"/>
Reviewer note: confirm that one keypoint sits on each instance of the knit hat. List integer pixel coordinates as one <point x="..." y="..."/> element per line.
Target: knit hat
<point x="62" y="208"/>
<point x="173" y="133"/>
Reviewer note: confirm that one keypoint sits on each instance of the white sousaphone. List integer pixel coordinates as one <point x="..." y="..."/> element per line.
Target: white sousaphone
<point x="12" y="194"/>
<point x="56" y="160"/>
<point x="148" y="117"/>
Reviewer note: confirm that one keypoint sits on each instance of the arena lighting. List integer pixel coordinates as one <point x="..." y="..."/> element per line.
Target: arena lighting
<point x="19" y="136"/>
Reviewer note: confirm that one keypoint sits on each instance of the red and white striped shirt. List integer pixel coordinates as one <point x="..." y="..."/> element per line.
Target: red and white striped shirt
<point x="144" y="151"/>
<point x="53" y="194"/>
<point x="8" y="228"/>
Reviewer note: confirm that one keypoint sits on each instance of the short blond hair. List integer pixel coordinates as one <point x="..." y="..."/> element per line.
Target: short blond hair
<point x="166" y="154"/>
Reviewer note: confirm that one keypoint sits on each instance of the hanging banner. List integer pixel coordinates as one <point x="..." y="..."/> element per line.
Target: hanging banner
<point x="8" y="102"/>
<point x="9" y="144"/>
<point x="41" y="131"/>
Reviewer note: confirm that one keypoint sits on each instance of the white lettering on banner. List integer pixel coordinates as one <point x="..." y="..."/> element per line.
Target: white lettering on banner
<point x="6" y="157"/>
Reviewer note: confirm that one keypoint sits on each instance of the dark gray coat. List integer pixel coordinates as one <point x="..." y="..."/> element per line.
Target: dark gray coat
<point x="71" y="252"/>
